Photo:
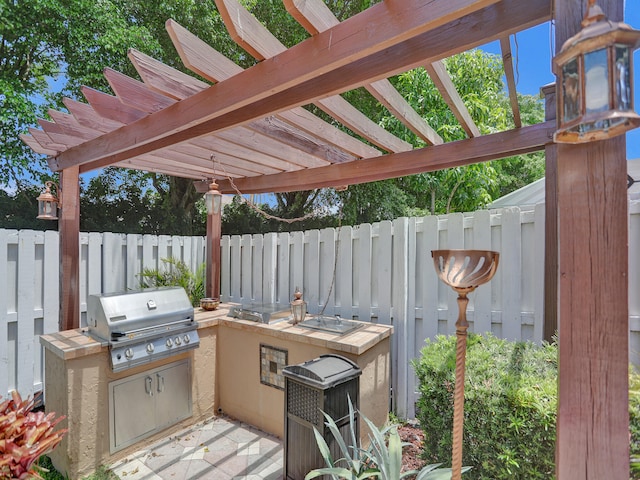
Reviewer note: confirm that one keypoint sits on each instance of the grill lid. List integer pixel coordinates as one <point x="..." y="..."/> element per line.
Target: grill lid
<point x="112" y="316"/>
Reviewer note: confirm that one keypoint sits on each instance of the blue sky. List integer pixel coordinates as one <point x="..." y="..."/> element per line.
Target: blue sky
<point x="532" y="53"/>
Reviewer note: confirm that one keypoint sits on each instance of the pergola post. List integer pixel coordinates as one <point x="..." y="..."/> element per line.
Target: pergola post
<point x="214" y="233"/>
<point x="69" y="231"/>
<point x="593" y="423"/>
<point x="550" y="326"/>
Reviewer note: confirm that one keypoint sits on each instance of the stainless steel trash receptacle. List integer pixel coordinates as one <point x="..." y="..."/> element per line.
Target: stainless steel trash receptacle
<point x="323" y="384"/>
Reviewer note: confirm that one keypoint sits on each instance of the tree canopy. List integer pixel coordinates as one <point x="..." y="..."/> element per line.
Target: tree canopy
<point x="50" y="48"/>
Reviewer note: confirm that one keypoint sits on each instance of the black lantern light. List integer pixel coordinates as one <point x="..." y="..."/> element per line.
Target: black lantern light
<point x="595" y="74"/>
<point x="48" y="203"/>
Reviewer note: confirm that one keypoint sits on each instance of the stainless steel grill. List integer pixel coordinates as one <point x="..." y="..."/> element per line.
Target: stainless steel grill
<point x="142" y="326"/>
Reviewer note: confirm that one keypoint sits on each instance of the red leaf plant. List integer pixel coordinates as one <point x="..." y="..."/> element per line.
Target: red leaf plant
<point x="25" y="436"/>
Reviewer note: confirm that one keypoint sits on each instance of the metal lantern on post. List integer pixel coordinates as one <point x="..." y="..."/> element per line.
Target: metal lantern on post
<point x="298" y="307"/>
<point x="595" y="69"/>
<point x="48" y="203"/>
<point x="213" y="199"/>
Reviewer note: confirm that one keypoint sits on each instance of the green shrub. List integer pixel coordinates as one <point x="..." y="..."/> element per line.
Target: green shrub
<point x="510" y="406"/>
<point x="634" y="423"/>
<point x="176" y="273"/>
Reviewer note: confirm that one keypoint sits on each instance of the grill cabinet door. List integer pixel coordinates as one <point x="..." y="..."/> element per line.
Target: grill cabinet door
<point x="143" y="404"/>
<point x="173" y="394"/>
<point x="132" y="415"/>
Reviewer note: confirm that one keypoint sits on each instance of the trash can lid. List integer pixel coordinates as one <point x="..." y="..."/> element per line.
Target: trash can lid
<point x="323" y="372"/>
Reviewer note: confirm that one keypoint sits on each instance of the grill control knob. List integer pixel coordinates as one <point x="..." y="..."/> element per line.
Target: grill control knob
<point x="186" y="338"/>
<point x="169" y="343"/>
<point x="178" y="341"/>
<point x="149" y="347"/>
<point x="128" y="353"/>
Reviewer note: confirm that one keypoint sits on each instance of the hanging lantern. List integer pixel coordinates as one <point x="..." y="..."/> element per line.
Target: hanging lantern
<point x="298" y="307"/>
<point x="48" y="203"/>
<point x="595" y="69"/>
<point x="213" y="199"/>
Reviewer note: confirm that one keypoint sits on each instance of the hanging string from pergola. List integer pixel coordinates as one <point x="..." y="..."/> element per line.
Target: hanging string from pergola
<point x="252" y="205"/>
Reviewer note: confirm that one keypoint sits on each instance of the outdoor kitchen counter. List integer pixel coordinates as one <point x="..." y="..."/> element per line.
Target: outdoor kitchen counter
<point x="251" y="356"/>
<point x="237" y="371"/>
<point x="356" y="342"/>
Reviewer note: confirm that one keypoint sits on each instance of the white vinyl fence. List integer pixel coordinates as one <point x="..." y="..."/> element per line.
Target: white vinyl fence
<point x="383" y="273"/>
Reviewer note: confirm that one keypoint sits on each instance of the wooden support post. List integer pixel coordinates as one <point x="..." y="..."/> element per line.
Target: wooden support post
<point x="214" y="233"/>
<point x="550" y="326"/>
<point x="593" y="424"/>
<point x="69" y="229"/>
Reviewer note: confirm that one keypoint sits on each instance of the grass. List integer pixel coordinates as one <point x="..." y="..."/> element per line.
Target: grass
<point x="102" y="473"/>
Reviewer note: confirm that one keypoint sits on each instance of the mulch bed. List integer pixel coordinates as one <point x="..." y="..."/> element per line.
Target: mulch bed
<point x="411" y="453"/>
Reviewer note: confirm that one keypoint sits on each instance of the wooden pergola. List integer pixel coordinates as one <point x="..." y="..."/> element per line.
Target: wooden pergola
<point x="253" y="124"/>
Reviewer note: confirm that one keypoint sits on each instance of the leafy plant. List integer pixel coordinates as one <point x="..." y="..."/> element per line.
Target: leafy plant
<point x="382" y="459"/>
<point x="50" y="473"/>
<point x="176" y="273"/>
<point x="634" y="422"/>
<point x="25" y="435"/>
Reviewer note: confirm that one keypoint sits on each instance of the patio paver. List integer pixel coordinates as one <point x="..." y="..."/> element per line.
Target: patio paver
<point x="219" y="448"/>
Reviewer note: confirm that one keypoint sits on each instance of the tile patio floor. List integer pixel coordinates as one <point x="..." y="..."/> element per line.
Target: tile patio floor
<point x="216" y="449"/>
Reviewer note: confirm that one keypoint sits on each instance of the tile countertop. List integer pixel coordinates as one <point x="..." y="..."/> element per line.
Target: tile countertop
<point x="356" y="342"/>
<point x="76" y="343"/>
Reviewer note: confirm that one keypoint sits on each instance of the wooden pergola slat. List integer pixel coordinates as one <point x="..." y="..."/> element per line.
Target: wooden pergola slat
<point x="438" y="73"/>
<point x="87" y="116"/>
<point x="111" y="107"/>
<point x="33" y="144"/>
<point x="507" y="61"/>
<point x="136" y="94"/>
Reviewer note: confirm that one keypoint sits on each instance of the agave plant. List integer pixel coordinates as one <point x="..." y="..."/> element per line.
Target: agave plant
<point x="25" y="436"/>
<point x="383" y="458"/>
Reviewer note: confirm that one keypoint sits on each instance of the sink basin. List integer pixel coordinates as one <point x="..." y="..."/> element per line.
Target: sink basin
<point x="330" y="324"/>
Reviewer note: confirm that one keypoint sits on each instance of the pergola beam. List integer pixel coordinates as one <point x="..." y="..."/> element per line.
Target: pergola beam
<point x="427" y="159"/>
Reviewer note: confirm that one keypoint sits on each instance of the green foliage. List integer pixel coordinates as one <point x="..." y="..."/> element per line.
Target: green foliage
<point x="25" y="435"/>
<point x="634" y="422"/>
<point x="130" y="201"/>
<point x="48" y="472"/>
<point x="382" y="459"/>
<point x="510" y="405"/>
<point x="176" y="273"/>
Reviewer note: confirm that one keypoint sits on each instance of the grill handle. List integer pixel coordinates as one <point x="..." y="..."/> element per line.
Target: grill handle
<point x="148" y="381"/>
<point x="165" y="326"/>
<point x="160" y="380"/>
